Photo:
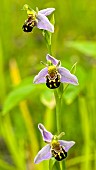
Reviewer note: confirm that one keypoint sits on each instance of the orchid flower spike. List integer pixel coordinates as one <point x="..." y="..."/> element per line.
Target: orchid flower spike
<point x="37" y="18"/>
<point x="53" y="74"/>
<point x="55" y="148"/>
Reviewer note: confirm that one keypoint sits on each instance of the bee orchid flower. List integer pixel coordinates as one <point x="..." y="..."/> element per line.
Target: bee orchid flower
<point x="38" y="19"/>
<point x="53" y="74"/>
<point x="55" y="148"/>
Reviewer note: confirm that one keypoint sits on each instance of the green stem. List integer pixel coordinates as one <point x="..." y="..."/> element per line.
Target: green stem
<point x="58" y="118"/>
<point x="48" y="39"/>
<point x="49" y="49"/>
<point x="58" y="99"/>
<point x="58" y="110"/>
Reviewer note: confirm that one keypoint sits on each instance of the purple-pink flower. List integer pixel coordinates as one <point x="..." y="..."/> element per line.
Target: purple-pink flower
<point x="55" y="148"/>
<point x="38" y="19"/>
<point x="53" y="74"/>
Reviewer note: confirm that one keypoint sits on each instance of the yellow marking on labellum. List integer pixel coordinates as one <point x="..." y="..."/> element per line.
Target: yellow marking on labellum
<point x="49" y="81"/>
<point x="55" y="85"/>
<point x="53" y="81"/>
<point x="59" y="155"/>
<point x="50" y="85"/>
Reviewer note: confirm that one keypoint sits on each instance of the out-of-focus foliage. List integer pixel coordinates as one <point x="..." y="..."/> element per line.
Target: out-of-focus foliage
<point x="26" y="104"/>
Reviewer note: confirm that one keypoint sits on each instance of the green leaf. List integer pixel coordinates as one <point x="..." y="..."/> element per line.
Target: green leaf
<point x="51" y="163"/>
<point x="16" y="96"/>
<point x="73" y="69"/>
<point x="52" y="20"/>
<point x="71" y="94"/>
<point x="86" y="47"/>
<point x="57" y="166"/>
<point x="63" y="165"/>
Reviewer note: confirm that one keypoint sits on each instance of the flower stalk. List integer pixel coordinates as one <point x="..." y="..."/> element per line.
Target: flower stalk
<point x="54" y="76"/>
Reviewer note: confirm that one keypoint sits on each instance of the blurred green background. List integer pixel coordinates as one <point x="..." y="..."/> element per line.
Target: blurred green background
<point x="24" y="105"/>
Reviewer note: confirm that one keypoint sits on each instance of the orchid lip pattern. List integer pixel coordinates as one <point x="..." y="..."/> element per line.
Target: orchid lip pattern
<point x="55" y="148"/>
<point x="53" y="74"/>
<point x="38" y="19"/>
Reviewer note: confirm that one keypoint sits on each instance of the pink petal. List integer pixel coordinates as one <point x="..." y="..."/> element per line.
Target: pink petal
<point x="52" y="59"/>
<point x="46" y="11"/>
<point x="47" y="136"/>
<point x="44" y="23"/>
<point x="40" y="78"/>
<point x="67" y="77"/>
<point x="66" y="144"/>
<point x="43" y="154"/>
